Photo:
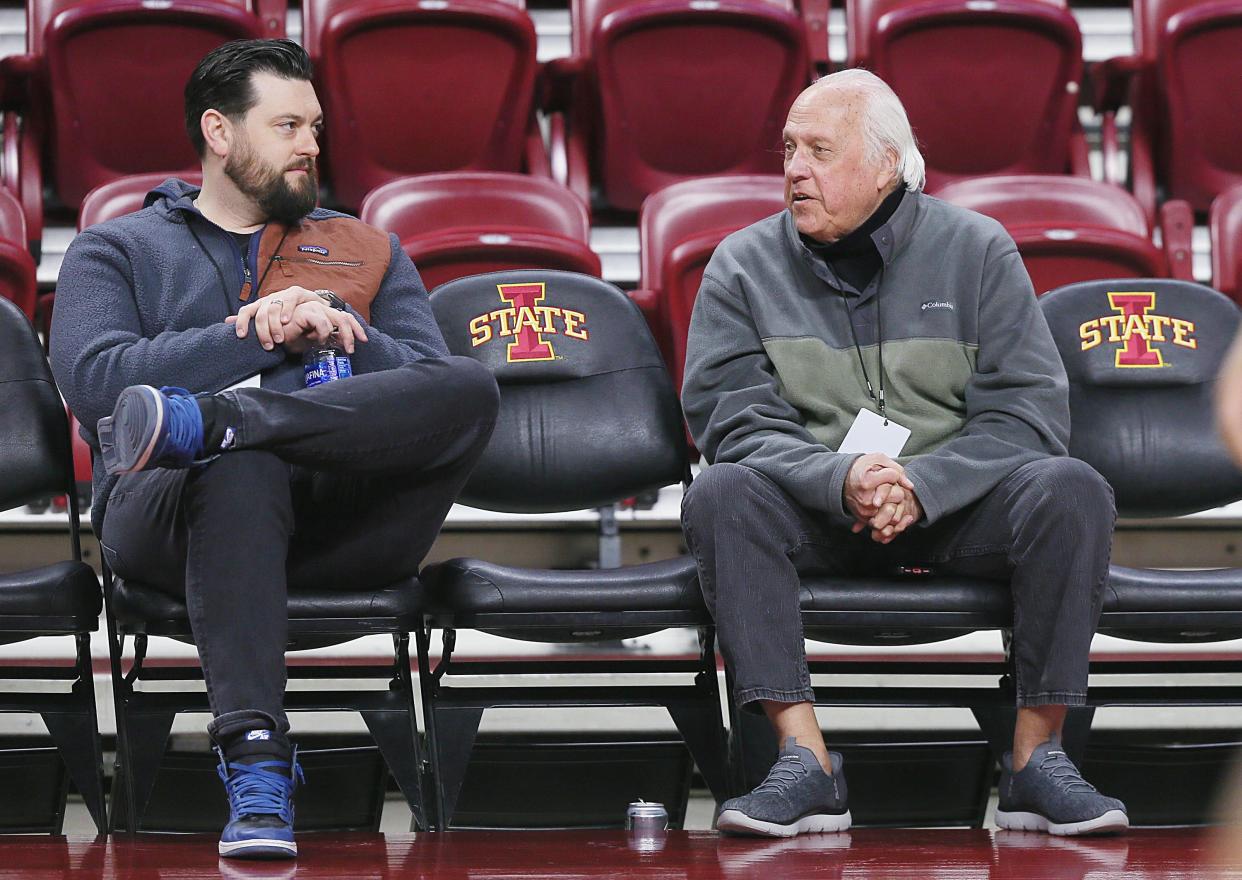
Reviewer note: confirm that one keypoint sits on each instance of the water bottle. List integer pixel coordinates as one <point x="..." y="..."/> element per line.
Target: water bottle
<point x="325" y="365"/>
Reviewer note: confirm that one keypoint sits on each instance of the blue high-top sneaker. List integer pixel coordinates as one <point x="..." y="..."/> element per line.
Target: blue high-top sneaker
<point x="149" y="428"/>
<point x="260" y="771"/>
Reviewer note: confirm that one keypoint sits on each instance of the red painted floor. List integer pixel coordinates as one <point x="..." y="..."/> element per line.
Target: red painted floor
<point x="694" y="855"/>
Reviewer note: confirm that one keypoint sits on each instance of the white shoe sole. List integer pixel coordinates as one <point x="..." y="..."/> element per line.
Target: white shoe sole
<point x="1109" y="823"/>
<point x="265" y="848"/>
<point x="737" y="822"/>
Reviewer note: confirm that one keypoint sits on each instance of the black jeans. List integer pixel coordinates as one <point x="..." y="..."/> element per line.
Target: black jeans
<point x="344" y="485"/>
<point x="1046" y="529"/>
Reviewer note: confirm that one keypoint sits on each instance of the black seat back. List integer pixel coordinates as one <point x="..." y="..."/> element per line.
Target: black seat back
<point x="1142" y="358"/>
<point x="34" y="432"/>
<point x="588" y="414"/>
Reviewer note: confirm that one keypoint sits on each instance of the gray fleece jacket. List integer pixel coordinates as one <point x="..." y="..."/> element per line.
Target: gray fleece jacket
<point x="138" y="301"/>
<point x="773" y="379"/>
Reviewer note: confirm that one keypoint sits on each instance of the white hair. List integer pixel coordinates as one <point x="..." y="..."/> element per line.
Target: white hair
<point x="886" y="128"/>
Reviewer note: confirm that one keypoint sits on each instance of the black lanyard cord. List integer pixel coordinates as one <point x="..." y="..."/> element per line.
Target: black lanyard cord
<point x="879" y="326"/>
<point x="224" y="285"/>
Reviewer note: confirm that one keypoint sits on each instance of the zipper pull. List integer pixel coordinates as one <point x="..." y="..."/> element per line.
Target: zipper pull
<point x="245" y="288"/>
<point x="283" y="264"/>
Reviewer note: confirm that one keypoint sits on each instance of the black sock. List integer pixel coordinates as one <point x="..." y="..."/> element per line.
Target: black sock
<point x="219" y="415"/>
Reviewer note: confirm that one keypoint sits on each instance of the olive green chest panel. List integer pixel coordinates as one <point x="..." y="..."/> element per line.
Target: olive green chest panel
<point x="924" y="381"/>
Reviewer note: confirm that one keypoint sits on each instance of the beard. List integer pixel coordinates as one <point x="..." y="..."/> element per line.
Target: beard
<point x="267" y="186"/>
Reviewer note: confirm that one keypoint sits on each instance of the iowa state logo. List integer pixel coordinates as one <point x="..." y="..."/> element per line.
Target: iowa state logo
<point x="527" y="323"/>
<point x="1137" y="330"/>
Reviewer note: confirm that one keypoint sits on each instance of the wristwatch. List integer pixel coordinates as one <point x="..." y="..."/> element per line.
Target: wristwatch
<point x="330" y="299"/>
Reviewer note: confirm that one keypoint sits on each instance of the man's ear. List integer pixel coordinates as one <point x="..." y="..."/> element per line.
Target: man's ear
<point x="217" y="132"/>
<point x="887" y="175"/>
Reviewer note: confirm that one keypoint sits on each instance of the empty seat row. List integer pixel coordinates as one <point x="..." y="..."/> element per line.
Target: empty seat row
<point x="991" y="86"/>
<point x="1184" y="128"/>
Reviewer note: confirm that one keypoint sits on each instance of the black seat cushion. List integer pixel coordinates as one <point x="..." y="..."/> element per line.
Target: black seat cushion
<point x="564" y="606"/>
<point x="901" y="610"/>
<point x="67" y="591"/>
<point x="1173" y="606"/>
<point x="1173" y="591"/>
<point x="143" y="607"/>
<point x="476" y="586"/>
<point x="1147" y="604"/>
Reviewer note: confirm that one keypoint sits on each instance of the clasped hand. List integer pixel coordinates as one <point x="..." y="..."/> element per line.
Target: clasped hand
<point x="880" y="497"/>
<point x="296" y="318"/>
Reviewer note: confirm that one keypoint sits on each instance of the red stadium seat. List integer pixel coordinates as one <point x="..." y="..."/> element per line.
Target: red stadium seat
<point x="125" y="195"/>
<point x="1225" y="227"/>
<point x="662" y="91"/>
<point x="99" y="93"/>
<point x="414" y="88"/>
<point x="315" y="15"/>
<point x="990" y="86"/>
<point x="17" y="268"/>
<point x="466" y="223"/>
<point x="678" y="231"/>
<point x="1185" y="127"/>
<point x="1068" y="229"/>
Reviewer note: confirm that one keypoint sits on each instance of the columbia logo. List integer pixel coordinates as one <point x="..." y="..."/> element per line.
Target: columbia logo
<point x="936" y="304"/>
<point x="313" y="249"/>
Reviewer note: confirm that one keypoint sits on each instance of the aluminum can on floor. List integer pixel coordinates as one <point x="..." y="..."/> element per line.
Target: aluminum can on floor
<point x="647" y="824"/>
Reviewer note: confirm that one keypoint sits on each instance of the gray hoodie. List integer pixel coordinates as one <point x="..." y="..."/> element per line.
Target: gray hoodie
<point x="773" y="379"/>
<point x="139" y="302"/>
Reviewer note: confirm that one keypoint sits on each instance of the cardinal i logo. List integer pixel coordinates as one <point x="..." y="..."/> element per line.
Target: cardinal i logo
<point x="1137" y="330"/>
<point x="527" y="323"/>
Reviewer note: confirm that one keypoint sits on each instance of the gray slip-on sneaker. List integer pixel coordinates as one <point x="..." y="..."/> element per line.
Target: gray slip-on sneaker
<point x="797" y="797"/>
<point x="1049" y="794"/>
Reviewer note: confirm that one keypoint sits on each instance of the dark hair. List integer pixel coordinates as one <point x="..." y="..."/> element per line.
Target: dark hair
<point x="223" y="80"/>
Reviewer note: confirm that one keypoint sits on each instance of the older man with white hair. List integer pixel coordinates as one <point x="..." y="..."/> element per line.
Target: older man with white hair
<point x="873" y="385"/>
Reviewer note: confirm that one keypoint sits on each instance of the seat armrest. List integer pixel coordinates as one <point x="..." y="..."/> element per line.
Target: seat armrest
<point x="649" y="303"/>
<point x="20" y="173"/>
<point x="1177" y="223"/>
<point x="17" y="74"/>
<point x="568" y="159"/>
<point x="1111" y="80"/>
<point x="558" y="83"/>
<point x="535" y="151"/>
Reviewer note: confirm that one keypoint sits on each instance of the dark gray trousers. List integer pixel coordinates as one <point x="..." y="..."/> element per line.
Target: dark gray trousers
<point x="1046" y="529"/>
<point x="343" y="486"/>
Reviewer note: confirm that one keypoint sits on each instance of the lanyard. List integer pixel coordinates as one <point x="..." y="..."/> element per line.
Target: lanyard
<point x="879" y="326"/>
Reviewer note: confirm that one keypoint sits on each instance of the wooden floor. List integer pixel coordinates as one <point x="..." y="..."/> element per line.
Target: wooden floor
<point x="694" y="855"/>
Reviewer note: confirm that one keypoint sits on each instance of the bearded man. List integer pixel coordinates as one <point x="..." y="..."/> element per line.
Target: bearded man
<point x="249" y="484"/>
